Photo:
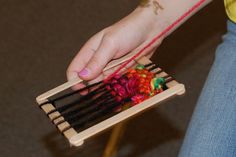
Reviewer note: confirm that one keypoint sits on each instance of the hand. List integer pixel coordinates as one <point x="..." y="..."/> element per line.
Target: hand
<point x="131" y="33"/>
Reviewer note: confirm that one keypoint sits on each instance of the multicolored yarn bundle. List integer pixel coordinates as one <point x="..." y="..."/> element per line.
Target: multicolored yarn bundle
<point x="135" y="86"/>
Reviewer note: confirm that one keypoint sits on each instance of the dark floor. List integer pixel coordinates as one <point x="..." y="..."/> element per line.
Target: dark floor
<point x="38" y="39"/>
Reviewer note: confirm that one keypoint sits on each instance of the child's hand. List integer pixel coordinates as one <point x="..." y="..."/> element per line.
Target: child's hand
<point x="131" y="33"/>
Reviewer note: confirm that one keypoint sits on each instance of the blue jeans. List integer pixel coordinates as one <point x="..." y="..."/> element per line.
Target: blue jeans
<point x="212" y="130"/>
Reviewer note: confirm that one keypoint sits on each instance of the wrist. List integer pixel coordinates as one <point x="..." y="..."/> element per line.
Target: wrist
<point x="156" y="20"/>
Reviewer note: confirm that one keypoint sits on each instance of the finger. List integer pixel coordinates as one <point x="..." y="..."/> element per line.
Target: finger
<point x="150" y="54"/>
<point x="99" y="60"/>
<point x="83" y="56"/>
<point x="80" y="86"/>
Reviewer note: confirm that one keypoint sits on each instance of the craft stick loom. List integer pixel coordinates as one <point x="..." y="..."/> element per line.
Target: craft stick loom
<point x="92" y="126"/>
<point x="112" y="101"/>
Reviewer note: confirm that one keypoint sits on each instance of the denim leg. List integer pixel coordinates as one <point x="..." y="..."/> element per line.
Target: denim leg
<point x="212" y="130"/>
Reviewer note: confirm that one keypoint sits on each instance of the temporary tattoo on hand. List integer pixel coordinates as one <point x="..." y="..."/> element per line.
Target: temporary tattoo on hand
<point x="156" y="6"/>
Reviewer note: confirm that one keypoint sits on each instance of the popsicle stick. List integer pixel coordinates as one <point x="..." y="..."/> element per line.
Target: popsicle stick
<point x="43" y="98"/>
<point x="69" y="133"/>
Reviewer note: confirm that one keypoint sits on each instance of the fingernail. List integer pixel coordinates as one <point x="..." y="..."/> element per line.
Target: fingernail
<point x="84" y="72"/>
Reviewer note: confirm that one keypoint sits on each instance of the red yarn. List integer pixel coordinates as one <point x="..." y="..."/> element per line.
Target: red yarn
<point x="137" y="99"/>
<point x="121" y="87"/>
<point x="132" y="86"/>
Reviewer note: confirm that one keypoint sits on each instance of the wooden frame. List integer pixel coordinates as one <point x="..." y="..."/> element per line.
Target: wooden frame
<point x="77" y="138"/>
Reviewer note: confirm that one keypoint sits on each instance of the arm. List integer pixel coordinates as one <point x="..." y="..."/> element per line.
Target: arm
<point x="133" y="32"/>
